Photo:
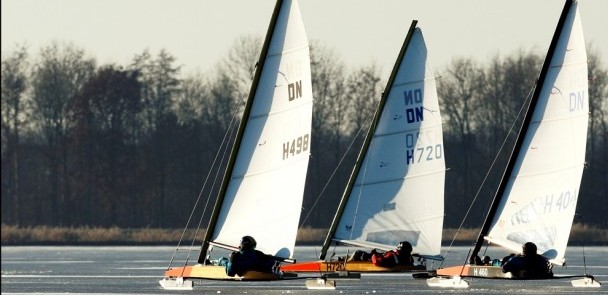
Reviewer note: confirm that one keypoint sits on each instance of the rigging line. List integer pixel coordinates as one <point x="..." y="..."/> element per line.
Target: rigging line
<point x="523" y="106"/>
<point x="359" y="198"/>
<point x="583" y="245"/>
<point x="229" y="134"/>
<point x="196" y="204"/>
<point x="200" y="194"/>
<point x="223" y="145"/>
<point x="366" y="120"/>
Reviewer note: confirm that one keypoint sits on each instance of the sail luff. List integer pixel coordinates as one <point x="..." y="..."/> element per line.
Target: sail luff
<point x="366" y="143"/>
<point x="235" y="147"/>
<point x="523" y="130"/>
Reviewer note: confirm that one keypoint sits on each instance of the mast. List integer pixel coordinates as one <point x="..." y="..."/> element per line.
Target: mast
<point x="237" y="142"/>
<point x="366" y="143"/>
<point x="522" y="131"/>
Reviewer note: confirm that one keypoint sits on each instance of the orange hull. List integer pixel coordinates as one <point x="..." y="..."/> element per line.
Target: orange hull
<point x="352" y="266"/>
<point x="215" y="272"/>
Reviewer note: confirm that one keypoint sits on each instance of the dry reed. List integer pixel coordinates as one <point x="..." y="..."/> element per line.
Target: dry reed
<point x="14" y="235"/>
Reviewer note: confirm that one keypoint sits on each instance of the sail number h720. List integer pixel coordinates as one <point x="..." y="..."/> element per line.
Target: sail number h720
<point x="417" y="151"/>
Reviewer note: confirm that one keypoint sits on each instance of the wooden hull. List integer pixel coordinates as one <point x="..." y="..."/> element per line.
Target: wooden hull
<point x="214" y="272"/>
<point x="479" y="271"/>
<point x="351" y="266"/>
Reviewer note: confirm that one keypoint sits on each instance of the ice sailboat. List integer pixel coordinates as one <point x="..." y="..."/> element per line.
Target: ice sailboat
<point x="396" y="189"/>
<point x="262" y="189"/>
<point x="537" y="196"/>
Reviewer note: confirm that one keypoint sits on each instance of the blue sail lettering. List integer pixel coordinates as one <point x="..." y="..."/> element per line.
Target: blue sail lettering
<point x="412" y="96"/>
<point x="410" y="157"/>
<point x="409" y="140"/>
<point x="414" y="114"/>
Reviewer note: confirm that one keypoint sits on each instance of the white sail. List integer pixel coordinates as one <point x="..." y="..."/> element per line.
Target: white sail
<point x="399" y="190"/>
<point x="264" y="196"/>
<point x="540" y="198"/>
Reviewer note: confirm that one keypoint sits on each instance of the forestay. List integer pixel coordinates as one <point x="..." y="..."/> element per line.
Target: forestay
<point x="266" y="186"/>
<point x="542" y="190"/>
<point x="399" y="190"/>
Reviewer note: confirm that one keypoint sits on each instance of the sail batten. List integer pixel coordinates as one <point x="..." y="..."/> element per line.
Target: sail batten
<point x="288" y="51"/>
<point x="441" y="171"/>
<point x="571" y="64"/>
<point x="276" y="112"/>
<point x="404" y="131"/>
<point x="405" y="83"/>
<point x="548" y="172"/>
<point x="271" y="170"/>
<point x="562" y="118"/>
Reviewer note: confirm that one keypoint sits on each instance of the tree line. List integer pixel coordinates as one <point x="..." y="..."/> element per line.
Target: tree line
<point x="131" y="146"/>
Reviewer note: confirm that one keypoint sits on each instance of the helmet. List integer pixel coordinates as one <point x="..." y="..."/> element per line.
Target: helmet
<point x="529" y="248"/>
<point x="405" y="246"/>
<point x="247" y="243"/>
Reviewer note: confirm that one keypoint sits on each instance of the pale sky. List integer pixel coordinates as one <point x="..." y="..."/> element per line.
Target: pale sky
<point x="199" y="32"/>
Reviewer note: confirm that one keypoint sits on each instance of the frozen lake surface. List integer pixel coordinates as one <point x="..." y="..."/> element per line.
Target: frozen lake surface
<point x="137" y="269"/>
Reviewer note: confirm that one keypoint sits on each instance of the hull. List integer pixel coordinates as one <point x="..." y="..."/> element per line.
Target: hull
<point x="489" y="272"/>
<point x="214" y="272"/>
<point x="479" y="271"/>
<point x="351" y="266"/>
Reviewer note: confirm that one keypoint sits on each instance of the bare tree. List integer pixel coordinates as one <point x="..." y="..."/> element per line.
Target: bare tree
<point x="364" y="91"/>
<point x="330" y="125"/>
<point x="240" y="63"/>
<point x="595" y="177"/>
<point x="190" y="101"/>
<point x="160" y="86"/>
<point x="105" y="113"/>
<point x="507" y="84"/>
<point x="58" y="76"/>
<point x="230" y="84"/>
<point x="14" y="83"/>
<point x="459" y="91"/>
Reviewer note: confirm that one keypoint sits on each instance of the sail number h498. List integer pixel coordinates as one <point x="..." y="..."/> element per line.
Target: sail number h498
<point x="296" y="146"/>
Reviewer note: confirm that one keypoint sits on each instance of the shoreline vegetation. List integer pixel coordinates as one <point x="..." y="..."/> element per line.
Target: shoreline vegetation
<point x="12" y="235"/>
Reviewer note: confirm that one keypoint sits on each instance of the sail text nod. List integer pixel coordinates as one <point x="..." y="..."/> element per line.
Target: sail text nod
<point x="413" y="104"/>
